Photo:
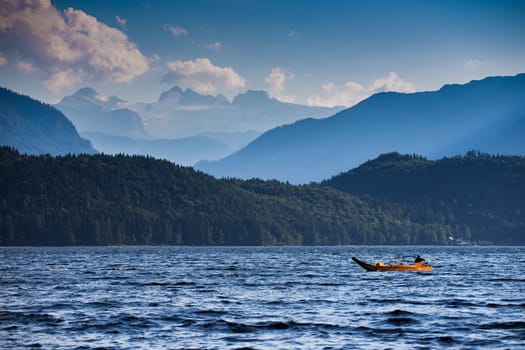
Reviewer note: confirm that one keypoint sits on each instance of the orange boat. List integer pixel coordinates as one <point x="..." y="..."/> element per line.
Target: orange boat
<point x="379" y="266"/>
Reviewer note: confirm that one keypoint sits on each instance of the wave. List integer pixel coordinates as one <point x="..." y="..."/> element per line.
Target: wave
<point x="511" y="325"/>
<point x="401" y="321"/>
<point x="398" y="312"/>
<point x="29" y="317"/>
<point x="239" y="327"/>
<point x="124" y="322"/>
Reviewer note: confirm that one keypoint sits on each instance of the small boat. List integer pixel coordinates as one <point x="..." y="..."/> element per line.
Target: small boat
<point x="379" y="266"/>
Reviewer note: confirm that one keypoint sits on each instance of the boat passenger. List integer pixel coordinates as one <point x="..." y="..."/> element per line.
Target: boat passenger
<point x="419" y="259"/>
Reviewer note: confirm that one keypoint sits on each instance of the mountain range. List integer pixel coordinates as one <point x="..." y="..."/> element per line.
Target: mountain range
<point x="184" y="151"/>
<point x="90" y="111"/>
<point x="486" y="115"/>
<point x="36" y="128"/>
<point x="183" y="126"/>
<point x="184" y="113"/>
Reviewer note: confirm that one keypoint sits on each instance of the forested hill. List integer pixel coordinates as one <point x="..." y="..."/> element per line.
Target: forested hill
<point x="37" y="128"/>
<point x="482" y="192"/>
<point x="100" y="199"/>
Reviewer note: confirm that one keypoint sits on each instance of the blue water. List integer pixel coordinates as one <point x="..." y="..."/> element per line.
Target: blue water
<point x="260" y="297"/>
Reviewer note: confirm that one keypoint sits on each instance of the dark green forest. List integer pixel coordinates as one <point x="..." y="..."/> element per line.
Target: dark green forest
<point x="481" y="195"/>
<point x="111" y="200"/>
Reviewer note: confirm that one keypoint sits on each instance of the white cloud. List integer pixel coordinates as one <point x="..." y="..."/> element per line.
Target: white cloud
<point x="203" y="76"/>
<point x="62" y="80"/>
<point x="71" y="43"/>
<point x="391" y="83"/>
<point x="25" y="67"/>
<point x="292" y="34"/>
<point x="475" y="64"/>
<point x="339" y="95"/>
<point x="216" y="46"/>
<point x="276" y="80"/>
<point x="351" y="92"/>
<point x="3" y="60"/>
<point x="154" y="58"/>
<point x="121" y="21"/>
<point x="156" y="64"/>
<point x="175" y="31"/>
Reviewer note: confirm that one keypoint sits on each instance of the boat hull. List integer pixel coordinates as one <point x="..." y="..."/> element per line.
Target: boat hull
<point x="394" y="267"/>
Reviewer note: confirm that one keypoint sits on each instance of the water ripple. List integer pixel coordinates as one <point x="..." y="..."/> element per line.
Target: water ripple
<point x="258" y="298"/>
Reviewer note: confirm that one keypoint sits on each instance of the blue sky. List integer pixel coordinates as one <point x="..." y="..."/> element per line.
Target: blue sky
<point x="308" y="52"/>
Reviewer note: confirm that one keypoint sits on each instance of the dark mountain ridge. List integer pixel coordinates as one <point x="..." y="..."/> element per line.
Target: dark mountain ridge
<point x="36" y="128"/>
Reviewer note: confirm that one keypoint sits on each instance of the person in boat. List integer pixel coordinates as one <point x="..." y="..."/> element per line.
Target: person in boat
<point x="419" y="259"/>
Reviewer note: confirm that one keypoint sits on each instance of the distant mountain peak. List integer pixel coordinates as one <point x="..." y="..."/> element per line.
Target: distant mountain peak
<point x="221" y="98"/>
<point x="34" y="127"/>
<point x="89" y="97"/>
<point x="252" y="98"/>
<point x="190" y="97"/>
<point x="86" y="92"/>
<point x="174" y="92"/>
<point x="91" y="111"/>
<point x="176" y="89"/>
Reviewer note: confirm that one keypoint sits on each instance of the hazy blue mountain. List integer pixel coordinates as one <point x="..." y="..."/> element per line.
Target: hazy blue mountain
<point x="113" y="129"/>
<point x="184" y="151"/>
<point x="202" y="127"/>
<point x="504" y="138"/>
<point x="234" y="140"/>
<point x="90" y="111"/>
<point x="183" y="113"/>
<point x="189" y="97"/>
<point x="260" y="107"/>
<point x="260" y="101"/>
<point x="36" y="128"/>
<point x="477" y="115"/>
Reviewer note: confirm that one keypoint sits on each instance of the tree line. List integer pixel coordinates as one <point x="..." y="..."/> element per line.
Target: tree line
<point x="112" y="200"/>
<point x="480" y="196"/>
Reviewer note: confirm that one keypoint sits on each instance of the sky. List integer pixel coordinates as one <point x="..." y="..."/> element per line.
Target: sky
<point x="323" y="53"/>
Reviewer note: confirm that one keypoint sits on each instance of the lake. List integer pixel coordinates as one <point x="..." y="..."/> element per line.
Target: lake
<point x="260" y="298"/>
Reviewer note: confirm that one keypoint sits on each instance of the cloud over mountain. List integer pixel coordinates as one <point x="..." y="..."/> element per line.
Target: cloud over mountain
<point x="203" y="76"/>
<point x="391" y="83"/>
<point x="276" y="80"/>
<point x="71" y="47"/>
<point x="351" y="92"/>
